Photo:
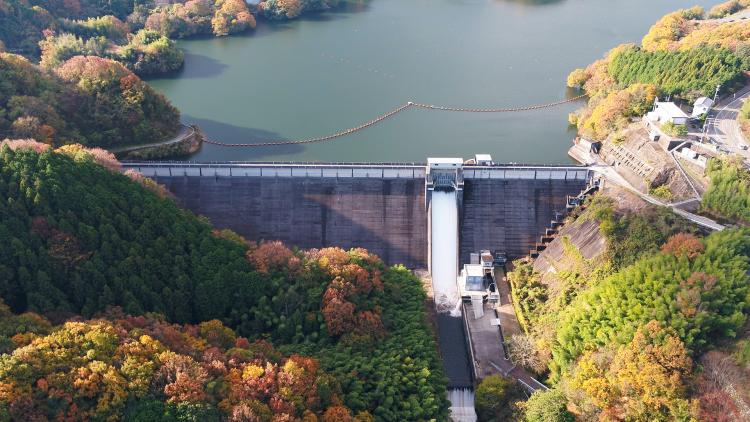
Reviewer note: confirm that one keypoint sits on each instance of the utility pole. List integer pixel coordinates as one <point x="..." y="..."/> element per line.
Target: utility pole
<point x="716" y="94"/>
<point x="708" y="114"/>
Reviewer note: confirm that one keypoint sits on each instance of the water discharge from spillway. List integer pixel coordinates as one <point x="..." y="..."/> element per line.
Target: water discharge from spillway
<point x="462" y="405"/>
<point x="444" y="257"/>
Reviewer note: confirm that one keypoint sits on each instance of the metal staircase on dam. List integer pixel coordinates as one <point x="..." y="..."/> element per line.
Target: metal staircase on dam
<point x="571" y="203"/>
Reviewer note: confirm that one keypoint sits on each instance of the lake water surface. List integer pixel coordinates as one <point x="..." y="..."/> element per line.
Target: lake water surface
<point x="315" y="76"/>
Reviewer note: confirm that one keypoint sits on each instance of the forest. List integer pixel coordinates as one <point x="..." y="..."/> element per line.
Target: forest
<point x="88" y="100"/>
<point x="683" y="56"/>
<point x="87" y="241"/>
<point x="641" y="331"/>
<point x="728" y="194"/>
<point x="139" y="34"/>
<point x="697" y="71"/>
<point x="142" y="368"/>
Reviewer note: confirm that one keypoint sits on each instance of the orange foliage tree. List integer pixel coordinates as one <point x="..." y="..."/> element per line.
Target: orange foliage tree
<point x="683" y="244"/>
<point x="646" y="379"/>
<point x="91" y="369"/>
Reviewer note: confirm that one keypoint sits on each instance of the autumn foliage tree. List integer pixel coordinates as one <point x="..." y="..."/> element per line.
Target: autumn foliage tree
<point x="231" y="16"/>
<point x="683" y="244"/>
<point x="616" y="109"/>
<point x="105" y="368"/>
<point x="87" y="100"/>
<point x="647" y="379"/>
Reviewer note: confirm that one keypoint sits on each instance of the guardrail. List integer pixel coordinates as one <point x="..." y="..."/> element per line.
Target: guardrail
<point x="349" y="163"/>
<point x="467" y="339"/>
<point x="273" y="170"/>
<point x="180" y="163"/>
<point x="348" y="170"/>
<point x="532" y="173"/>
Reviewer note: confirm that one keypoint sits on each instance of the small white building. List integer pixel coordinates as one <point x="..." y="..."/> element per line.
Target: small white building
<point x="694" y="157"/>
<point x="701" y="106"/>
<point x="483" y="159"/>
<point x="688" y="153"/>
<point x="667" y="112"/>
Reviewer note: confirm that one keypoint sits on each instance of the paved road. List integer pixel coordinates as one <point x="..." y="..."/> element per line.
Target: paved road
<point x="487" y="340"/>
<point x="611" y="176"/>
<point x="724" y="126"/>
<point x="737" y="17"/>
<point x="184" y="132"/>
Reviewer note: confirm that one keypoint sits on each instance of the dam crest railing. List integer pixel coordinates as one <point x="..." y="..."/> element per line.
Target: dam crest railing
<point x="351" y="170"/>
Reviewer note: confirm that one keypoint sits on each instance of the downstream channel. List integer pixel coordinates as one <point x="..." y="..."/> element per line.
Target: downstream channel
<point x="336" y="70"/>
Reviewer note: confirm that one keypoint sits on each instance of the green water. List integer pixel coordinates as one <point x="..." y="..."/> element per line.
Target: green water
<point x="317" y="75"/>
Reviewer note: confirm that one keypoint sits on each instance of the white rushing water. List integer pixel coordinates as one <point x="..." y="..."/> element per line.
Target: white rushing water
<point x="444" y="220"/>
<point x="462" y="405"/>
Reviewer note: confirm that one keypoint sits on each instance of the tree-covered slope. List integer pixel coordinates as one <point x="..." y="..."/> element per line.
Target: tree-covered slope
<point x="143" y="369"/>
<point x="682" y="57"/>
<point x="82" y="237"/>
<point x="697" y="288"/>
<point x="728" y="194"/>
<point x="79" y="237"/>
<point x="39" y="28"/>
<point x="621" y="334"/>
<point x="87" y="100"/>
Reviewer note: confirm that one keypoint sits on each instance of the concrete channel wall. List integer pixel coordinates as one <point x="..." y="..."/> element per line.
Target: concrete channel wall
<point x="380" y="207"/>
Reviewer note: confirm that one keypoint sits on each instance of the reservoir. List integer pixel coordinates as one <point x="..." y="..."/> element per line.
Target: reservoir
<point x="336" y="70"/>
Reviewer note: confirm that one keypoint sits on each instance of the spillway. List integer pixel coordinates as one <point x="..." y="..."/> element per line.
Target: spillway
<point x="444" y="260"/>
<point x="444" y="244"/>
<point x="462" y="405"/>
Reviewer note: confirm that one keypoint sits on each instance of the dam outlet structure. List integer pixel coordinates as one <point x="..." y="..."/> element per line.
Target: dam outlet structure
<point x="432" y="215"/>
<point x="442" y="185"/>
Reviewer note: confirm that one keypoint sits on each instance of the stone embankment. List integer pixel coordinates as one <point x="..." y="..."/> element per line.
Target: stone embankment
<point x="188" y="141"/>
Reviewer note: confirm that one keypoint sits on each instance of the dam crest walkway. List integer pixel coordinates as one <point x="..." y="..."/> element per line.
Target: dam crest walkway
<point x="351" y="170"/>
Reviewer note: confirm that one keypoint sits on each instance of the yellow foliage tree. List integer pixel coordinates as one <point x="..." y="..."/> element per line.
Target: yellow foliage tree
<point x="291" y="8"/>
<point x="613" y="112"/>
<point x="645" y="380"/>
<point x="667" y="31"/>
<point x="577" y="78"/>
<point x="232" y="16"/>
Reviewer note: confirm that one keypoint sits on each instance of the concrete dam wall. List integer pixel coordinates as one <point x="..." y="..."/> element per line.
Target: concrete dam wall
<point x="379" y="207"/>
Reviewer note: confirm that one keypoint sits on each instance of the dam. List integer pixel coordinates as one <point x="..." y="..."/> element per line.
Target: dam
<point x="381" y="207"/>
<point x="433" y="215"/>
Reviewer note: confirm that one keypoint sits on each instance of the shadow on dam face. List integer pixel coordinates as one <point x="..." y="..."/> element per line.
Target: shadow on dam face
<point x="385" y="216"/>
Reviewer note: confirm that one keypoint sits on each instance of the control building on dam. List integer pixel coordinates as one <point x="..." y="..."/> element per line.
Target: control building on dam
<point x="380" y="207"/>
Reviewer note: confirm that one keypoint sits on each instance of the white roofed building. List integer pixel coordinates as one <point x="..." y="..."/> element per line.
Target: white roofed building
<point x="701" y="106"/>
<point x="667" y="112"/>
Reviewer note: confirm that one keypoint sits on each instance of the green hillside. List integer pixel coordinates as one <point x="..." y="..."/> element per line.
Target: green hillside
<point x="81" y="237"/>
